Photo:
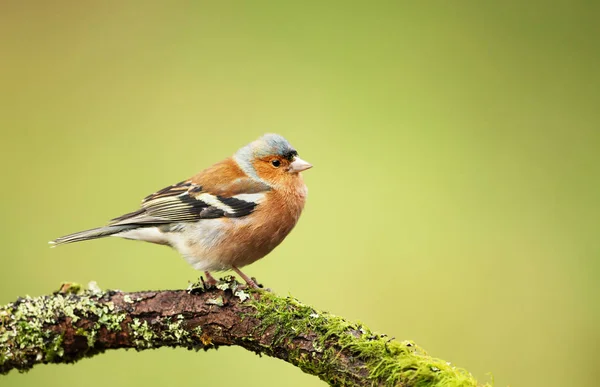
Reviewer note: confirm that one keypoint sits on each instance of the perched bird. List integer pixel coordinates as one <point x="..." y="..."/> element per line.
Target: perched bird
<point x="225" y="217"/>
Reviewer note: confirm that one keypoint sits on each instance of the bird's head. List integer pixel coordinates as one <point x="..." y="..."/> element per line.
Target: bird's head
<point x="272" y="159"/>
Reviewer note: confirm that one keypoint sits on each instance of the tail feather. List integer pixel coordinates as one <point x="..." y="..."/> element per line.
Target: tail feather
<point x="94" y="233"/>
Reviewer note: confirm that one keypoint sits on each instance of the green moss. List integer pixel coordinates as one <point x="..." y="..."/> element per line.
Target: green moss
<point x="386" y="361"/>
<point x="27" y="336"/>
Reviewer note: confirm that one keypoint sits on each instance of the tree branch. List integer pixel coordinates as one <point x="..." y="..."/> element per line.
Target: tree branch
<point x="71" y="324"/>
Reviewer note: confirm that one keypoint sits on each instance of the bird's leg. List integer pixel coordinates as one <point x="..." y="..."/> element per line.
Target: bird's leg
<point x="249" y="281"/>
<point x="210" y="279"/>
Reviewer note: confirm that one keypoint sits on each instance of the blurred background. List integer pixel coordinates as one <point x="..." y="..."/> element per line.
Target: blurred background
<point x="454" y="199"/>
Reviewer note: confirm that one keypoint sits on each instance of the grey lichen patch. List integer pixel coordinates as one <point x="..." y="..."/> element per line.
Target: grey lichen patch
<point x="24" y="336"/>
<point x="94" y="288"/>
<point x="197" y="331"/>
<point x="4" y="335"/>
<point x="165" y="330"/>
<point x="195" y="288"/>
<point x="110" y="320"/>
<point x="218" y="301"/>
<point x="242" y="295"/>
<point x="228" y="283"/>
<point x="224" y="284"/>
<point x="29" y="327"/>
<point x="385" y="361"/>
<point x="173" y="330"/>
<point x="143" y="335"/>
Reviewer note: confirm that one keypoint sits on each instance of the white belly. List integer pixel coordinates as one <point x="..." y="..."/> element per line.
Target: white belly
<point x="196" y="242"/>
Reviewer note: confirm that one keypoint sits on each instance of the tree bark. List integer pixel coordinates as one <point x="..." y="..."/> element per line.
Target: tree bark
<point x="71" y="324"/>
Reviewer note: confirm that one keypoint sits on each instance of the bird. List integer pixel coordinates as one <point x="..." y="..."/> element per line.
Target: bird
<point x="225" y="217"/>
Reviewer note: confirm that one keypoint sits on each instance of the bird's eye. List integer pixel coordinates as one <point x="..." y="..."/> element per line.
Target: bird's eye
<point x="276" y="163"/>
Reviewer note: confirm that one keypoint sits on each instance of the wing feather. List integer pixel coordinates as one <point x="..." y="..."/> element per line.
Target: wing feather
<point x="187" y="201"/>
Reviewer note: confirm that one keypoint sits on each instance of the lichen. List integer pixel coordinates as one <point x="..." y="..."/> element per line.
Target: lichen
<point x="174" y="331"/>
<point x="143" y="335"/>
<point x="385" y="361"/>
<point x="108" y="319"/>
<point x="94" y="288"/>
<point x="55" y="349"/>
<point x="218" y="301"/>
<point x="30" y="332"/>
<point x="90" y="336"/>
<point x="26" y="326"/>
<point x="242" y="295"/>
<point x="24" y="333"/>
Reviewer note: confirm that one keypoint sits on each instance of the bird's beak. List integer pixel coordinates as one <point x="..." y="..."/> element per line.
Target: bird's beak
<point x="299" y="165"/>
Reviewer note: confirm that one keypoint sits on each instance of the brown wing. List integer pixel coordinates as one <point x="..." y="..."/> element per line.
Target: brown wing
<point x="191" y="200"/>
<point x="227" y="179"/>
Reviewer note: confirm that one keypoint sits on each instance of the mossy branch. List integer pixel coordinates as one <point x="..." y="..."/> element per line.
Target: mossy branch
<point x="71" y="324"/>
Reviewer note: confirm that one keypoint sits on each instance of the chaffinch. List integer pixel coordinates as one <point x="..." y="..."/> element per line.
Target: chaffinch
<point x="225" y="217"/>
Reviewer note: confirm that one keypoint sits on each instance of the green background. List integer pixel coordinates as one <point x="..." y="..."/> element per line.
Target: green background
<point x="454" y="199"/>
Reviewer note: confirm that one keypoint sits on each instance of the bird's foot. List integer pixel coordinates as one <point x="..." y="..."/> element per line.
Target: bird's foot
<point x="251" y="282"/>
<point x="210" y="280"/>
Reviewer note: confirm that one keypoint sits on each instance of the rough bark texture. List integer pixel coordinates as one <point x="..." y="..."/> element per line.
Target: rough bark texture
<point x="71" y="324"/>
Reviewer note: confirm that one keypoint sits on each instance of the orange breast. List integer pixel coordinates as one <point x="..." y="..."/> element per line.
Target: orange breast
<point x="258" y="234"/>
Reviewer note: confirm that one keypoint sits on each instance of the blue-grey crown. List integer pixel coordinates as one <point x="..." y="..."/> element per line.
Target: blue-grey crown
<point x="274" y="144"/>
<point x="267" y="145"/>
